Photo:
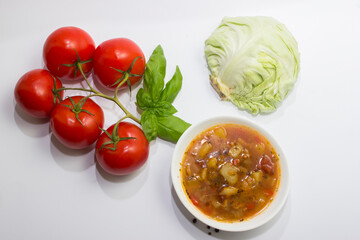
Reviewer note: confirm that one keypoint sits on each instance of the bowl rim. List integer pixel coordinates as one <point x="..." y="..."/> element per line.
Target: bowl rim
<point x="258" y="220"/>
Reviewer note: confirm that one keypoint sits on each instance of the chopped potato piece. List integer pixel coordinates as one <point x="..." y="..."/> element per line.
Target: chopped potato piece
<point x="245" y="185"/>
<point x="242" y="169"/>
<point x="216" y="203"/>
<point x="242" y="142"/>
<point x="188" y="170"/>
<point x="220" y="132"/>
<point x="205" y="149"/>
<point x="225" y="203"/>
<point x="260" y="147"/>
<point x="229" y="191"/>
<point x="229" y="172"/>
<point x="270" y="181"/>
<point x="248" y="183"/>
<point x="257" y="176"/>
<point x="212" y="162"/>
<point x="235" y="150"/>
<point x="245" y="154"/>
<point x="192" y="184"/>
<point x="247" y="163"/>
<point x="203" y="174"/>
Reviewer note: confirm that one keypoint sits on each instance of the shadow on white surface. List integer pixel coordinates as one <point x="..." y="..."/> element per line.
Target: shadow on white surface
<point x="74" y="160"/>
<point x="200" y="230"/>
<point x="30" y="126"/>
<point x="108" y="92"/>
<point x="100" y="87"/>
<point x="121" y="187"/>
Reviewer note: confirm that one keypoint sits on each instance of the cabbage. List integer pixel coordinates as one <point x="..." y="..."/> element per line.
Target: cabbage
<point x="254" y="62"/>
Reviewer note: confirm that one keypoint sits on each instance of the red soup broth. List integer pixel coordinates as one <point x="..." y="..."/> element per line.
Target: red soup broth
<point x="230" y="172"/>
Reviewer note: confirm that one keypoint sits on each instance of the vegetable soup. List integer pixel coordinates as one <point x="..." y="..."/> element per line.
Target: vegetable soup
<point x="230" y="172"/>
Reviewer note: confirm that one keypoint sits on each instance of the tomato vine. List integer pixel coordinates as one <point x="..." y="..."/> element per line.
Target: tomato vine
<point x="77" y="121"/>
<point x="99" y="94"/>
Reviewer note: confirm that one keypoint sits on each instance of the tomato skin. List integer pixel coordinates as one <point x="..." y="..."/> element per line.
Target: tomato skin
<point x="250" y="205"/>
<point x="267" y="164"/>
<point x="194" y="201"/>
<point x="118" y="53"/>
<point x="34" y="93"/>
<point x="69" y="131"/>
<point x="59" y="49"/>
<point x="129" y="155"/>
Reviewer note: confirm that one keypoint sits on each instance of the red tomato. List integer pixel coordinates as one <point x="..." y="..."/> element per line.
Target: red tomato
<point x="267" y="164"/>
<point x="268" y="192"/>
<point x="250" y="205"/>
<point x="194" y="201"/>
<point x="59" y="48"/>
<point x="130" y="154"/>
<point x="34" y="93"/>
<point x="118" y="53"/>
<point x="68" y="129"/>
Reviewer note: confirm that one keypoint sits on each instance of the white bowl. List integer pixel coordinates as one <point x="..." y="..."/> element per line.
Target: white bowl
<point x="268" y="213"/>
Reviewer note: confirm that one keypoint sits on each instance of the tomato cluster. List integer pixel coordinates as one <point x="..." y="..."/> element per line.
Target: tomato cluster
<point x="70" y="54"/>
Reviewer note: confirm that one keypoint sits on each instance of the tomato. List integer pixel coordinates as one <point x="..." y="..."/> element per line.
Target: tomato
<point x="250" y="205"/>
<point x="116" y="55"/>
<point x="267" y="164"/>
<point x="268" y="192"/>
<point x="194" y="200"/>
<point x="129" y="155"/>
<point x="61" y="47"/>
<point x="67" y="128"/>
<point x="34" y="93"/>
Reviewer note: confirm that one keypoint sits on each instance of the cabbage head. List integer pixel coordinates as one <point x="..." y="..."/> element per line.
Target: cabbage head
<point x="253" y="62"/>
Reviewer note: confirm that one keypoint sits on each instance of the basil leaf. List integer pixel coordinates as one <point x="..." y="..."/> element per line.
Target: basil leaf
<point x="172" y="87"/>
<point x="143" y="100"/>
<point x="149" y="125"/>
<point x="156" y="101"/>
<point x="171" y="128"/>
<point x="155" y="73"/>
<point x="164" y="109"/>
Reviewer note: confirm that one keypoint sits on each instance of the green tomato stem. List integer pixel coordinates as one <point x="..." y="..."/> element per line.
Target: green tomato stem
<point x="84" y="76"/>
<point x="79" y="89"/>
<point x="99" y="94"/>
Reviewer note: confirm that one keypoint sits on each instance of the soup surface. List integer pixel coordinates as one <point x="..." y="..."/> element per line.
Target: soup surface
<point x="230" y="172"/>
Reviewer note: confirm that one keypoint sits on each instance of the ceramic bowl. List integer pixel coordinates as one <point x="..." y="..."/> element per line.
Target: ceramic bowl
<point x="267" y="214"/>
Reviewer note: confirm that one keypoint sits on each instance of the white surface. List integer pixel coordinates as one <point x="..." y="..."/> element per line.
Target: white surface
<point x="48" y="192"/>
<point x="181" y="147"/>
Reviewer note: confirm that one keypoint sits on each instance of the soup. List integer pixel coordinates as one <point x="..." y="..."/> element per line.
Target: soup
<point x="230" y="172"/>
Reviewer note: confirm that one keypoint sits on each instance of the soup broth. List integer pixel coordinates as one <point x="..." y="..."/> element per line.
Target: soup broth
<point x="230" y="172"/>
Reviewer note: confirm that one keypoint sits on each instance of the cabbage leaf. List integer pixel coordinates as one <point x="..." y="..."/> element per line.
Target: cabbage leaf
<point x="253" y="61"/>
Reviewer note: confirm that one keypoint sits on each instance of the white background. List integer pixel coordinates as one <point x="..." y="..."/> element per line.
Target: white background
<point x="50" y="192"/>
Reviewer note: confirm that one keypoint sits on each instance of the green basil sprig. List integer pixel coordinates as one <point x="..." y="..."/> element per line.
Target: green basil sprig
<point x="157" y="118"/>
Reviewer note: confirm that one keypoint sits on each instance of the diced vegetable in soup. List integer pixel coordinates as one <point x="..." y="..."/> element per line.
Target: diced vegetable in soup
<point x="230" y="172"/>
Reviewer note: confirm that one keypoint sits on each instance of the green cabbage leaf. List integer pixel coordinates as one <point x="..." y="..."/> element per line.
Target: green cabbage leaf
<point x="253" y="61"/>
